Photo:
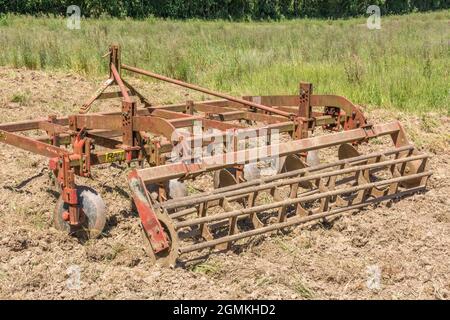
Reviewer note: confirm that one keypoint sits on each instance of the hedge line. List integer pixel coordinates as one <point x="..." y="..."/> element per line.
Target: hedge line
<point x="220" y="9"/>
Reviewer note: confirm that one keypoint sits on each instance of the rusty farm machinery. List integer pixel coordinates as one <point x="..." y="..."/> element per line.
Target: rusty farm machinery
<point x="274" y="161"/>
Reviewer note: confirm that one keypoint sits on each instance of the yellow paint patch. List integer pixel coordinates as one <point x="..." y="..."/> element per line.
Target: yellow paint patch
<point x="115" y="156"/>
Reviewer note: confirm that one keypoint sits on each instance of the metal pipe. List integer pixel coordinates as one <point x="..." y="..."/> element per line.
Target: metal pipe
<point x="288" y="202"/>
<point x="32" y="145"/>
<point x="291" y="222"/>
<point x="207" y="91"/>
<point x="227" y="160"/>
<point x="170" y="204"/>
<point x="120" y="83"/>
<point x="265" y="186"/>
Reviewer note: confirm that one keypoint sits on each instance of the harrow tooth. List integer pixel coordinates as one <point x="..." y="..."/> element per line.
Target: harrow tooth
<point x="282" y="211"/>
<point x="203" y="227"/>
<point x="256" y="222"/>
<point x="232" y="224"/>
<point x="300" y="211"/>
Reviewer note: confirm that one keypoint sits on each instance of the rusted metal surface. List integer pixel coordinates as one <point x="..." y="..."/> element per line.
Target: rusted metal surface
<point x="148" y="217"/>
<point x="207" y="91"/>
<point x="183" y="141"/>
<point x="338" y="189"/>
<point x="98" y="95"/>
<point x="179" y="170"/>
<point x="31" y="145"/>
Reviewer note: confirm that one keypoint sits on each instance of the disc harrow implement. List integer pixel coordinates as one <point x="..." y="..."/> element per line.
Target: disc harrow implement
<point x="270" y="162"/>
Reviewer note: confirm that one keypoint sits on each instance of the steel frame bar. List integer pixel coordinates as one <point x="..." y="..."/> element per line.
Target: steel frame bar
<point x="207" y="91"/>
<point x="286" y="178"/>
<point x="180" y="170"/>
<point x="31" y="145"/>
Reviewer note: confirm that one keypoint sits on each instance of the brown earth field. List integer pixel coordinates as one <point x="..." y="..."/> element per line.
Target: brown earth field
<point x="405" y="243"/>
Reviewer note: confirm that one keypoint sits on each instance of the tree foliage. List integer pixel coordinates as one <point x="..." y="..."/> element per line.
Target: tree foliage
<point x="220" y="9"/>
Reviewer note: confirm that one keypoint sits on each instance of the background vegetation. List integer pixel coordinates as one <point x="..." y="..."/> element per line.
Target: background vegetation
<point x="221" y="9"/>
<point x="403" y="65"/>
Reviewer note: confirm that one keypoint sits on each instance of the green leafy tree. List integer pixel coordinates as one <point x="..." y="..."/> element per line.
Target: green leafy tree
<point x="220" y="9"/>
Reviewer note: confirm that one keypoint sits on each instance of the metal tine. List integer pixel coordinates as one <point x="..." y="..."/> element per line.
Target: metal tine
<point x="408" y="154"/>
<point x="323" y="187"/>
<point x="300" y="211"/>
<point x="338" y="200"/>
<point x="203" y="227"/>
<point x="394" y="168"/>
<point x="293" y="194"/>
<point x="422" y="168"/>
<point x="376" y="192"/>
<point x="232" y="228"/>
<point x="393" y="189"/>
<point x="282" y="211"/>
<point x="360" y="180"/>
<point x="257" y="223"/>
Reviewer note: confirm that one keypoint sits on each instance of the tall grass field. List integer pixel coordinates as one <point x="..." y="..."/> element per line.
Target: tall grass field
<point x="403" y="65"/>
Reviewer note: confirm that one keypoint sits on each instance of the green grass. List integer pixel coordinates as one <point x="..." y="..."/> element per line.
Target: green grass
<point x="20" y="97"/>
<point x="208" y="268"/>
<point x="404" y="65"/>
<point x="302" y="290"/>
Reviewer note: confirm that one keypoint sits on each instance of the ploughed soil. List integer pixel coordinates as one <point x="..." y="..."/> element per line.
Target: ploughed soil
<point x="396" y="250"/>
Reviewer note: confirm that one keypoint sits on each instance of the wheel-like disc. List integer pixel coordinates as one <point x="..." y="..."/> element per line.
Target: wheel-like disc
<point x="293" y="162"/>
<point x="168" y="257"/>
<point x="412" y="167"/>
<point x="93" y="217"/>
<point x="174" y="189"/>
<point x="347" y="151"/>
<point x="224" y="178"/>
<point x="313" y="159"/>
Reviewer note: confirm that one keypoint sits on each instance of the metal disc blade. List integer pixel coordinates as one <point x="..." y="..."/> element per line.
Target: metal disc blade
<point x="347" y="151"/>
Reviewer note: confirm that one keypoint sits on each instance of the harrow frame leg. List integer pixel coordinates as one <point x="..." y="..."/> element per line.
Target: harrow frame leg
<point x="69" y="194"/>
<point x="149" y="219"/>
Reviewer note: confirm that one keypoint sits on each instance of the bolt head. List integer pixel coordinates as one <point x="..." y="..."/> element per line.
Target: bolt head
<point x="66" y="216"/>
